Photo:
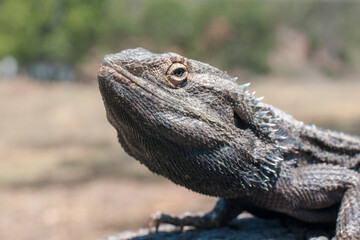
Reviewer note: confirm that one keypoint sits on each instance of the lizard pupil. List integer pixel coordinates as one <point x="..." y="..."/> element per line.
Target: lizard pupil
<point x="179" y="72"/>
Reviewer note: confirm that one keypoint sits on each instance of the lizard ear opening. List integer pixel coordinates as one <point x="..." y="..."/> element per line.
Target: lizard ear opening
<point x="240" y="123"/>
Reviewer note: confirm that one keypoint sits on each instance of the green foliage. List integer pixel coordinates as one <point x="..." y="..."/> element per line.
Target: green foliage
<point x="331" y="26"/>
<point x="251" y="33"/>
<point x="231" y="33"/>
<point x="168" y="22"/>
<point x="65" y="30"/>
<point x="50" y="30"/>
<point x="244" y="38"/>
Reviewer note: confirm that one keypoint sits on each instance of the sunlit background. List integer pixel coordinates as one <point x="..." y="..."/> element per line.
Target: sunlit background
<point x="62" y="173"/>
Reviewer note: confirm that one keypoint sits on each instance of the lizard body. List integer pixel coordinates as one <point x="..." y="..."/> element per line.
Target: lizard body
<point x="193" y="124"/>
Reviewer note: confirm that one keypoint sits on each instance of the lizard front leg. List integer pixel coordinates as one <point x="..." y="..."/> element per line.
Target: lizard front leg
<point x="348" y="221"/>
<point x="222" y="213"/>
<point x="315" y="189"/>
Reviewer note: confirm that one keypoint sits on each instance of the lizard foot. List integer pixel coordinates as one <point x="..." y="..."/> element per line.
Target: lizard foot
<point x="199" y="220"/>
<point x="222" y="213"/>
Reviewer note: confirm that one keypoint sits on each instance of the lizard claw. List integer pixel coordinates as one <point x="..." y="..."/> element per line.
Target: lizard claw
<point x="158" y="218"/>
<point x="219" y="216"/>
<point x="187" y="219"/>
<point x="155" y="221"/>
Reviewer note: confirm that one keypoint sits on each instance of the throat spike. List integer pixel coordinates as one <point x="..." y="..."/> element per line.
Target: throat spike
<point x="280" y="137"/>
<point x="257" y="100"/>
<point x="261" y="113"/>
<point x="267" y="125"/>
<point x="244" y="86"/>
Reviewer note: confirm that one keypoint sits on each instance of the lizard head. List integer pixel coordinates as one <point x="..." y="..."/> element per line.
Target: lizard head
<point x="166" y="95"/>
<point x="181" y="117"/>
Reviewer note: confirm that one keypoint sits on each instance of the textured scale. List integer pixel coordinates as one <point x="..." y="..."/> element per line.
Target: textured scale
<point x="193" y="124"/>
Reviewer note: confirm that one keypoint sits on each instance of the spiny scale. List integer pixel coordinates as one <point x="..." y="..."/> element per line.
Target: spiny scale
<point x="264" y="120"/>
<point x="245" y="86"/>
<point x="267" y="124"/>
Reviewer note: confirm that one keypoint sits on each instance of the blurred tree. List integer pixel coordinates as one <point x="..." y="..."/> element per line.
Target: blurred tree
<point x="226" y="33"/>
<point x="235" y="33"/>
<point x="51" y="30"/>
<point x="332" y="28"/>
<point x="169" y="23"/>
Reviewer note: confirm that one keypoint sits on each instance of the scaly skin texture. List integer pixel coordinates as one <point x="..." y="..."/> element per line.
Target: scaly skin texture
<point x="193" y="124"/>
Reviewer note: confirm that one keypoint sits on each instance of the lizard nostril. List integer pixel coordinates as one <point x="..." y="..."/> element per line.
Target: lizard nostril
<point x="136" y="70"/>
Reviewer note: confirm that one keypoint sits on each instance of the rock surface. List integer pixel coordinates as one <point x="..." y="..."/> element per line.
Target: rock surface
<point x="249" y="228"/>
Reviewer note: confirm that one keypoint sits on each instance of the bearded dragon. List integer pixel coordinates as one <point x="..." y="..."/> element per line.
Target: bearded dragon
<point x="195" y="125"/>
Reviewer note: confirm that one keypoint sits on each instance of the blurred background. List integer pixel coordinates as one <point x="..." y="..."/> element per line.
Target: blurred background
<point x="62" y="173"/>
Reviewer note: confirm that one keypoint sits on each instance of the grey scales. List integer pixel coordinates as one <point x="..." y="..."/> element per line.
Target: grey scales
<point x="195" y="125"/>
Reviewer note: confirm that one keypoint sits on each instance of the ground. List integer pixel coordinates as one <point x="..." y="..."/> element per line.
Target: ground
<point x="64" y="176"/>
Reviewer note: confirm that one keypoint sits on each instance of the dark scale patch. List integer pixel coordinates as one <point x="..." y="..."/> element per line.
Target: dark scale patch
<point x="240" y="123"/>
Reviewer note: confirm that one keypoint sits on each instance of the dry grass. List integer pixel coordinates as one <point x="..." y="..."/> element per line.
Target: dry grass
<point x="64" y="176"/>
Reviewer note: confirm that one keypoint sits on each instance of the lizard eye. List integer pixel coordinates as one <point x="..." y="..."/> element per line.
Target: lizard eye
<point x="177" y="74"/>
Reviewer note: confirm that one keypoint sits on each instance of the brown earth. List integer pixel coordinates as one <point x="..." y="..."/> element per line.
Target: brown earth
<point x="64" y="176"/>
